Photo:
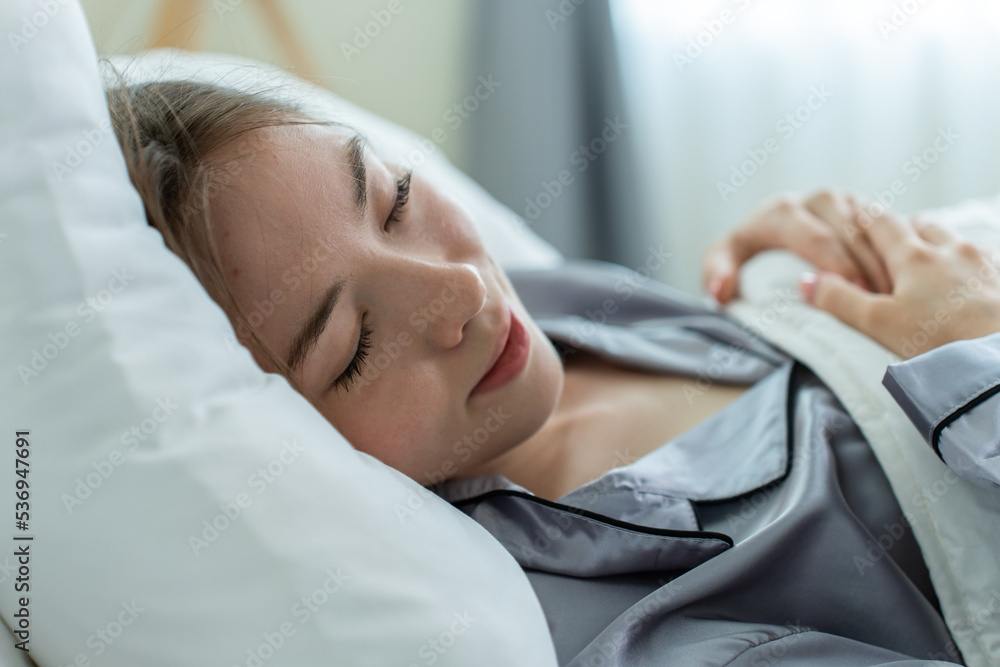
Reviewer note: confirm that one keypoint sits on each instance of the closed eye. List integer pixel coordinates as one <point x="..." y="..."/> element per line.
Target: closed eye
<point x="354" y="369"/>
<point x="402" y="197"/>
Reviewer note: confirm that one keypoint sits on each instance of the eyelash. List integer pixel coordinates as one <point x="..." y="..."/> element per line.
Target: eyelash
<point x="402" y="196"/>
<point x="346" y="379"/>
<point x="353" y="371"/>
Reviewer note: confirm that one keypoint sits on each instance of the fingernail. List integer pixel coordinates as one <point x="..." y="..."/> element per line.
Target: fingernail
<point x="715" y="286"/>
<point x="808" y="284"/>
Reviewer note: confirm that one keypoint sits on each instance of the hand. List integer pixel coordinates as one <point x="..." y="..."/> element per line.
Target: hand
<point x="823" y="229"/>
<point x="943" y="288"/>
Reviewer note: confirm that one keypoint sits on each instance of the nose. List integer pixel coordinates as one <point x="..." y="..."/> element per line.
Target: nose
<point x="444" y="296"/>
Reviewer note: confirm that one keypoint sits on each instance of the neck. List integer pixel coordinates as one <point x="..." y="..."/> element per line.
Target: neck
<point x="537" y="462"/>
<point x="544" y="462"/>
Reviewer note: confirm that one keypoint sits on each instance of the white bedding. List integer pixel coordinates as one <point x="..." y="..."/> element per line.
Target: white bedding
<point x="957" y="524"/>
<point x="189" y="508"/>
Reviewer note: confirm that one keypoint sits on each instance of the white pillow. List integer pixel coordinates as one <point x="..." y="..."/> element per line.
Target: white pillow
<point x="147" y="434"/>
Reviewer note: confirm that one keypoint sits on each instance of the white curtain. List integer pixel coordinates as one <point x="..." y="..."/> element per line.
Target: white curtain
<point x="735" y="100"/>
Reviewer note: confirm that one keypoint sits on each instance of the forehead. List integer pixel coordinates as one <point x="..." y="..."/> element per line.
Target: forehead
<point x="277" y="176"/>
<point x="279" y="189"/>
<point x="281" y="193"/>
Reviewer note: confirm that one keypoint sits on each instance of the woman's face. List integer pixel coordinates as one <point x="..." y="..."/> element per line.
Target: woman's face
<point x="323" y="250"/>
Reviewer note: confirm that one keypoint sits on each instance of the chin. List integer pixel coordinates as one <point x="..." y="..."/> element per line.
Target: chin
<point x="529" y="401"/>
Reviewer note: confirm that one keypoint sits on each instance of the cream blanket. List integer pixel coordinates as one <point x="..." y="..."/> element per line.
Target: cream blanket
<point x="957" y="524"/>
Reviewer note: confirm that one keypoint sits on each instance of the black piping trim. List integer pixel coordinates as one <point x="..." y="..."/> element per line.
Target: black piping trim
<point x="961" y="410"/>
<point x="649" y="530"/>
<point x="789" y="412"/>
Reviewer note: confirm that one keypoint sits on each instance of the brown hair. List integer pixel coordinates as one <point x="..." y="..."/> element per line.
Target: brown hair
<point x="168" y="132"/>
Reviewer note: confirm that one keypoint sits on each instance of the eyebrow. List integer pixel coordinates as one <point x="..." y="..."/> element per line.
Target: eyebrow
<point x="356" y="160"/>
<point x="313" y="328"/>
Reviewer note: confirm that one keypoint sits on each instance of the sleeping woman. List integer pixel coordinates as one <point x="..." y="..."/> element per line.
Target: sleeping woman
<point x="677" y="491"/>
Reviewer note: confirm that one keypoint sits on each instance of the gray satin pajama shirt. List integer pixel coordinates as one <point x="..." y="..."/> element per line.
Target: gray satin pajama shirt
<point x="766" y="535"/>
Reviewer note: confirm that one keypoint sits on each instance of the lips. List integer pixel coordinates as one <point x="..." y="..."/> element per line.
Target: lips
<point x="509" y="356"/>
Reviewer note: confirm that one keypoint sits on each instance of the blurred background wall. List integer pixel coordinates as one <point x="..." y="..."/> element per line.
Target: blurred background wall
<point x="719" y="103"/>
<point x="897" y="100"/>
<point x="412" y="71"/>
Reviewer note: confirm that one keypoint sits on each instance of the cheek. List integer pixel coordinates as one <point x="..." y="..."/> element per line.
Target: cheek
<point x="402" y="422"/>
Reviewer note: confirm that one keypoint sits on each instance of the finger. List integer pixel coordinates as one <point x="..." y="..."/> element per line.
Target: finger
<point x="720" y="276"/>
<point x="800" y="231"/>
<point x="876" y="274"/>
<point x="790" y="227"/>
<point x="890" y="235"/>
<point x="879" y="276"/>
<point x="847" y="302"/>
<point x="933" y="232"/>
<point x="840" y="214"/>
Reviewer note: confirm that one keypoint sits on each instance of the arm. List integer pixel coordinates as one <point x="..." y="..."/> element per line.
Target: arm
<point x="952" y="395"/>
